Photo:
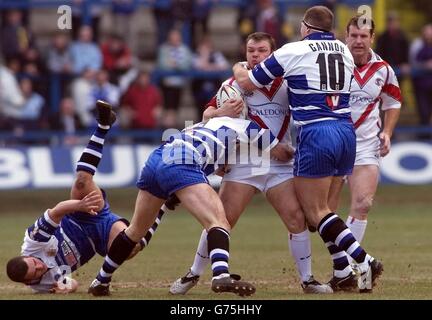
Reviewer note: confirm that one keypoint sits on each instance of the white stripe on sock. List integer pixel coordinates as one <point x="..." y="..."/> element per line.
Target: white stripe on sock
<point x="219" y="264"/>
<point x="97" y="139"/>
<point x="326" y="222"/>
<point x="111" y="263"/>
<point x="85" y="164"/>
<point x="214" y="251"/>
<point x="338" y="255"/>
<point x="103" y="127"/>
<point x="353" y="248"/>
<point x="341" y="236"/>
<point x="93" y="152"/>
<point x="104" y="274"/>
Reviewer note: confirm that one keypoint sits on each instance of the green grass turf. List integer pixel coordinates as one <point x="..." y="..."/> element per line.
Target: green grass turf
<point x="398" y="233"/>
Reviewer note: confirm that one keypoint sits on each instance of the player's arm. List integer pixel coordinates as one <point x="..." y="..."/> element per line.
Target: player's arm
<point x="90" y="203"/>
<point x="230" y="108"/>
<point x="242" y="77"/>
<point x="391" y="117"/>
<point x="264" y="72"/>
<point x="391" y="103"/>
<point x="282" y="152"/>
<point x="267" y="142"/>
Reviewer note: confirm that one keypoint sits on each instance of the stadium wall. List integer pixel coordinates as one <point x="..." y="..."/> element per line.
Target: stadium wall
<point x="53" y="167"/>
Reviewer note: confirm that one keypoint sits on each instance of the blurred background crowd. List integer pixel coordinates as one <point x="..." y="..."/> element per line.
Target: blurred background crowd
<point x="160" y="61"/>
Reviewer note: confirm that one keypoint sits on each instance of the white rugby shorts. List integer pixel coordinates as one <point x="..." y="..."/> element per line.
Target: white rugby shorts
<point x="368" y="152"/>
<point x="263" y="180"/>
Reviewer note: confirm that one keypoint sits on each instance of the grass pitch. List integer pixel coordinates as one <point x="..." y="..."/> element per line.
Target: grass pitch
<point x="398" y="234"/>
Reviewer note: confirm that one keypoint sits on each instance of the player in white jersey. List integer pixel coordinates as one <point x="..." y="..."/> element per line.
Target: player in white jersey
<point x="67" y="236"/>
<point x="318" y="71"/>
<point x="374" y="86"/>
<point x="268" y="107"/>
<point x="180" y="166"/>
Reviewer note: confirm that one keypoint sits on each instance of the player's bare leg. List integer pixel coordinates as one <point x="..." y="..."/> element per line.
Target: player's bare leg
<point x="204" y="203"/>
<point x="235" y="197"/>
<point x="146" y="209"/>
<point x="333" y="230"/>
<point x="283" y="199"/>
<point x="363" y="185"/>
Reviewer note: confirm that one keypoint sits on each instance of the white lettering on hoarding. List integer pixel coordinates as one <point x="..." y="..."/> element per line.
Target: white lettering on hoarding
<point x="42" y="168"/>
<point x="13" y="171"/>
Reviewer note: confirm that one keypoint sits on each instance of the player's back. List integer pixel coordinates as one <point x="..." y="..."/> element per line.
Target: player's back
<point x="214" y="143"/>
<point x="318" y="71"/>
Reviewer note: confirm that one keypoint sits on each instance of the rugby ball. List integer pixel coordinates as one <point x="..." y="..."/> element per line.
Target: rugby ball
<point x="227" y="92"/>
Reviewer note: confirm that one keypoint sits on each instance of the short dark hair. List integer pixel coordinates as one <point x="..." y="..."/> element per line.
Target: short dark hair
<point x="320" y="17"/>
<point x="262" y="36"/>
<point x="17" y="269"/>
<point x="360" y="23"/>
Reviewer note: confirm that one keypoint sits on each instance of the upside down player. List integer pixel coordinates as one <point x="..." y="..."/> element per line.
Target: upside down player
<point x="268" y="107"/>
<point x="319" y="70"/>
<point x="67" y="236"/>
<point x="179" y="167"/>
<point x="374" y="86"/>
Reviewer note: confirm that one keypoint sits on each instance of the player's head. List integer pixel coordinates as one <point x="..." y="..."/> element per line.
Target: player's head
<point x="317" y="19"/>
<point x="259" y="45"/>
<point x="25" y="269"/>
<point x="360" y="34"/>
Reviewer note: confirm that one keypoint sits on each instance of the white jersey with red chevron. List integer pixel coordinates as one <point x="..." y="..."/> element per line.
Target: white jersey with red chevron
<point x="374" y="84"/>
<point x="268" y="107"/>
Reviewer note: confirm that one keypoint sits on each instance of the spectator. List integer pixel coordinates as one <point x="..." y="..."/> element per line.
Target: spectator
<point x="15" y="38"/>
<point x="102" y="89"/>
<point x="29" y="115"/>
<point x="80" y="9"/>
<point x="122" y="11"/>
<point x="60" y="63"/>
<point x="142" y="103"/>
<point x="163" y="19"/>
<point x="11" y="97"/>
<point x="81" y="92"/>
<point x="117" y="57"/>
<point x="200" y="16"/>
<point x="59" y="56"/>
<point x="67" y="121"/>
<point x="268" y="20"/>
<point x="393" y="46"/>
<point x="422" y="78"/>
<point x="173" y="55"/>
<point x="85" y="53"/>
<point x="206" y="59"/>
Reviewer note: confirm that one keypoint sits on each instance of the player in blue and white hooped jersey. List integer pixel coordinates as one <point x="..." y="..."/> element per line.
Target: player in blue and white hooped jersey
<point x="268" y="107"/>
<point x="375" y="88"/>
<point x="67" y="236"/>
<point x="180" y="166"/>
<point x="319" y="70"/>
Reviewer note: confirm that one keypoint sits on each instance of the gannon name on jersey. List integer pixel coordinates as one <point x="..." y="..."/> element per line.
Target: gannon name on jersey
<point x="326" y="46"/>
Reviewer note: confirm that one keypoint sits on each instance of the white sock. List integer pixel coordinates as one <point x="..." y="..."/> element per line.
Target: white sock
<point x="300" y="247"/>
<point x="202" y="259"/>
<point x="357" y="227"/>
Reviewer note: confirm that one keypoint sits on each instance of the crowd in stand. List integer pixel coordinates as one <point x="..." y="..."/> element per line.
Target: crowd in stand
<point x="87" y="67"/>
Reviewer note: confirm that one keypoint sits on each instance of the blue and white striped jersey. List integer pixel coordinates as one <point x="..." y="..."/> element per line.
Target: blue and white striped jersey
<point x="67" y="246"/>
<point x="47" y="241"/>
<point x="318" y="71"/>
<point x="215" y="143"/>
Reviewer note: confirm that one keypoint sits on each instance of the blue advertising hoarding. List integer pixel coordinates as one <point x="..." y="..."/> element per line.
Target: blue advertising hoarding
<point x="54" y="167"/>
